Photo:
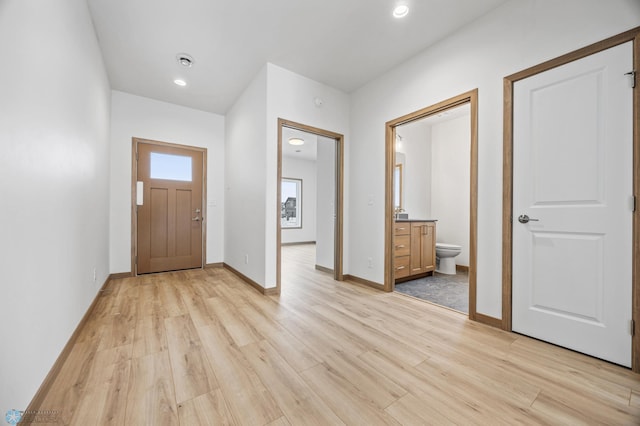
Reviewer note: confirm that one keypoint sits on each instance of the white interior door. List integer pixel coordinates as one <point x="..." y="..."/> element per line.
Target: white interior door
<point x="572" y="176"/>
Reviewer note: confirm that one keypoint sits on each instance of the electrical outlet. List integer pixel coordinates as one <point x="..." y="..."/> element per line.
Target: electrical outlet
<point x="246" y="259"/>
<point x="370" y="262"/>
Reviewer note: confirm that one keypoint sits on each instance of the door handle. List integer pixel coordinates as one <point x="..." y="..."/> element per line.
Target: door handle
<point x="523" y="218"/>
<point x="195" y="219"/>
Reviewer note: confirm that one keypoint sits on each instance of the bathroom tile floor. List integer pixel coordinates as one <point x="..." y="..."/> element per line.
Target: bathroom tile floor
<point x="451" y="291"/>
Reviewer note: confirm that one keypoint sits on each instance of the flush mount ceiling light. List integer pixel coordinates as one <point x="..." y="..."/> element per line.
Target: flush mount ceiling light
<point x="296" y="141"/>
<point x="401" y="11"/>
<point x="185" y="60"/>
<point x="180" y="82"/>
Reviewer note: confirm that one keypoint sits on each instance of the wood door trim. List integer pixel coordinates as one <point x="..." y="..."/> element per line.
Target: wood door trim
<point x="470" y="97"/>
<point x="632" y="35"/>
<point x="338" y="232"/>
<point x="134" y="214"/>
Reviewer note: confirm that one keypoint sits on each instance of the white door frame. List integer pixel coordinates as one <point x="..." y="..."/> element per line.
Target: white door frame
<point x="507" y="194"/>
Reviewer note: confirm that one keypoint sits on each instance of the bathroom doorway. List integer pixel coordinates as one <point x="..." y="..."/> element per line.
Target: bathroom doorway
<point x="431" y="204"/>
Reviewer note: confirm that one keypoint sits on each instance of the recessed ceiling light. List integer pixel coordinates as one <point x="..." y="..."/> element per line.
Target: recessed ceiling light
<point x="180" y="82"/>
<point x="400" y="11"/>
<point x="296" y="141"/>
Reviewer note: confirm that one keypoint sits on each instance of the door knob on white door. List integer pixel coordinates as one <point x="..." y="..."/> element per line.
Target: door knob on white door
<point x="523" y="218"/>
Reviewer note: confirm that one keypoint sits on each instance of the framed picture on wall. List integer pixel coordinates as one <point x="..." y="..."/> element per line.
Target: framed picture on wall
<point x="291" y="203"/>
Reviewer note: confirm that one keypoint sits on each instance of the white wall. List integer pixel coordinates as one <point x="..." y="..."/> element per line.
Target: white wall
<point x="135" y="116"/>
<point x="305" y="170"/>
<point x="252" y="210"/>
<point x="450" y="177"/>
<point x="290" y="96"/>
<point x="54" y="177"/>
<point x="245" y="172"/>
<point x="517" y="35"/>
<point x="326" y="206"/>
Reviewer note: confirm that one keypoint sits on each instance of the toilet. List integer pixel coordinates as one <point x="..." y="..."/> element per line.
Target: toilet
<point x="446" y="258"/>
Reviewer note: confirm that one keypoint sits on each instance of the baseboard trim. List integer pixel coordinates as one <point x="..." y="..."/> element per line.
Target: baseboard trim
<point x="45" y="387"/>
<point x="297" y="243"/>
<point x="488" y="320"/>
<point x="323" y="269"/>
<point x="462" y="268"/>
<point x="273" y="291"/>
<point x="214" y="265"/>
<point x="364" y="282"/>
<point x="120" y="275"/>
<point x="252" y="283"/>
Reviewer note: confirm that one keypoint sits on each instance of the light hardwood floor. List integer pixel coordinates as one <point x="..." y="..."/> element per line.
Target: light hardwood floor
<point x="202" y="347"/>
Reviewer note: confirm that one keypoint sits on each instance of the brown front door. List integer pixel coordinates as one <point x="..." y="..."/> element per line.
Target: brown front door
<point x="169" y="219"/>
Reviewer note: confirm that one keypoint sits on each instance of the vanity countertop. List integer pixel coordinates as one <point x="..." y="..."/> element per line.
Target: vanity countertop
<point x="416" y="220"/>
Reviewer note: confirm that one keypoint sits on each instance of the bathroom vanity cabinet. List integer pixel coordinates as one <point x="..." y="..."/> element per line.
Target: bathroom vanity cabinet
<point x="414" y="249"/>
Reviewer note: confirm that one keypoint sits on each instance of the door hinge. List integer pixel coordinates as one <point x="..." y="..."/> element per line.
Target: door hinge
<point x="632" y="327"/>
<point x="632" y="77"/>
<point x="634" y="203"/>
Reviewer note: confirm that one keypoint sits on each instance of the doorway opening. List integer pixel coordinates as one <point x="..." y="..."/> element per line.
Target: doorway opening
<point x="168" y="207"/>
<point x="310" y="188"/>
<point x="431" y="181"/>
<point x="431" y="203"/>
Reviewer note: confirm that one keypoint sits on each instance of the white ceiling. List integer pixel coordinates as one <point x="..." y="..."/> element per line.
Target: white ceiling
<point x="308" y="151"/>
<point x="342" y="43"/>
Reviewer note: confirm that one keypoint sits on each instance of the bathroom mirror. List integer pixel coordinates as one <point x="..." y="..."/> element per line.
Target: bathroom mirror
<point x="397" y="187"/>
